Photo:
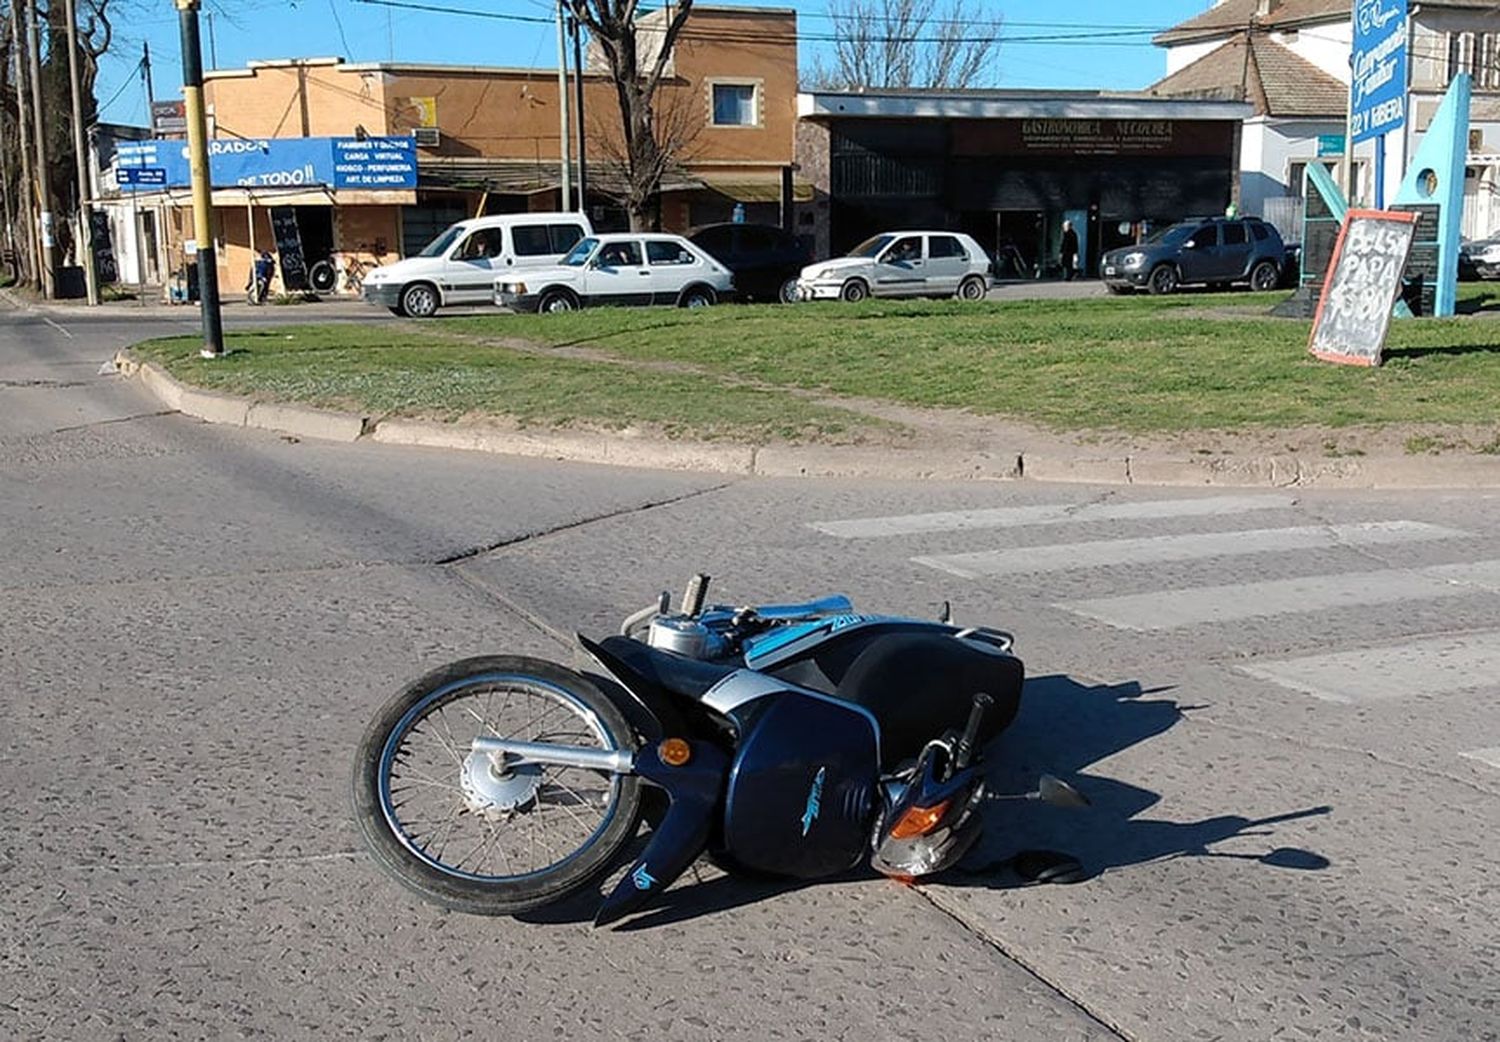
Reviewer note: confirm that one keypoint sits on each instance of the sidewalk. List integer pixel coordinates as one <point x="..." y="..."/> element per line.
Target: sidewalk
<point x="233" y="308"/>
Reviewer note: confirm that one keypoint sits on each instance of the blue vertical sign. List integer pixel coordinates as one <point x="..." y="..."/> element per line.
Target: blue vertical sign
<point x="1377" y="90"/>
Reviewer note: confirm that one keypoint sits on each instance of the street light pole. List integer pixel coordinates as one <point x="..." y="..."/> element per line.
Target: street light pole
<point x="203" y="208"/>
<point x="583" y="162"/>
<point x="565" y="141"/>
<point x="85" y="239"/>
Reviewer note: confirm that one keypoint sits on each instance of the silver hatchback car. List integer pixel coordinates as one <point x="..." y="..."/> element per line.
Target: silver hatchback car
<point x="901" y="264"/>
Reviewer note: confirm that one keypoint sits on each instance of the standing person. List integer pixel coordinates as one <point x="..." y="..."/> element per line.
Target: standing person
<point x="1069" y="250"/>
<point x="260" y="277"/>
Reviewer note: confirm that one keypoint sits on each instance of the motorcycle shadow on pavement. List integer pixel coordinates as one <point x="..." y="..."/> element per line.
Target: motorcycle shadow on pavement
<point x="1063" y="728"/>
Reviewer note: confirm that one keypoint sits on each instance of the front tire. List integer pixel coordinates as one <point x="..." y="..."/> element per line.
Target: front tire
<point x="468" y="834"/>
<point x="556" y="301"/>
<point x="788" y="292"/>
<point x="971" y="288"/>
<point x="419" y="300"/>
<point x="1163" y="280"/>
<point x="854" y="291"/>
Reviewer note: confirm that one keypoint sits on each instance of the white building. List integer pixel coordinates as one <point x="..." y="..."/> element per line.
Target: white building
<point x="1290" y="59"/>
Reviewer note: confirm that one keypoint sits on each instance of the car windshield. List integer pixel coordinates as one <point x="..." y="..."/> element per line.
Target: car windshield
<point x="439" y="246"/>
<point x="1173" y="234"/>
<point x="871" y="246"/>
<point x="578" y="256"/>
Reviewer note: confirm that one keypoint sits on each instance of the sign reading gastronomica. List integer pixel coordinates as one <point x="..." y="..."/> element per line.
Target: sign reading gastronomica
<point x="1377" y="90"/>
<point x="372" y="163"/>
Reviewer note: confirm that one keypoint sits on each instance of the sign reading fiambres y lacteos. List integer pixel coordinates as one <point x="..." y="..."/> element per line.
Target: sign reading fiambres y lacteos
<point x="1360" y="289"/>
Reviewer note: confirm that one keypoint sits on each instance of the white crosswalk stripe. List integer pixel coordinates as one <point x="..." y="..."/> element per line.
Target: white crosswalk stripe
<point x="1157" y="549"/>
<point x="1432" y="666"/>
<point x="1491" y="757"/>
<point x="1171" y="609"/>
<point x="1049" y="514"/>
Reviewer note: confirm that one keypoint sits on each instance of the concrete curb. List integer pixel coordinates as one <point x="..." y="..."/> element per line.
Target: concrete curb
<point x="832" y="461"/>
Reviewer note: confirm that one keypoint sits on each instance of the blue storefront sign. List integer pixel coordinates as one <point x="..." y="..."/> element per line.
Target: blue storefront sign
<point x="336" y="162"/>
<point x="1330" y="145"/>
<point x="1377" y="91"/>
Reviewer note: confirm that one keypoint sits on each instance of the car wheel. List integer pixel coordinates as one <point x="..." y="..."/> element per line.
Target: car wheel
<point x="696" y="297"/>
<point x="556" y="301"/>
<point x="419" y="300"/>
<point x="788" y="292"/>
<point x="854" y="291"/>
<point x="971" y="288"/>
<point x="1264" y="276"/>
<point x="1163" y="280"/>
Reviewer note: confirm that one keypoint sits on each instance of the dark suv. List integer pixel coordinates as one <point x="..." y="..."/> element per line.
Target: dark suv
<point x="1205" y="251"/>
<point x="765" y="259"/>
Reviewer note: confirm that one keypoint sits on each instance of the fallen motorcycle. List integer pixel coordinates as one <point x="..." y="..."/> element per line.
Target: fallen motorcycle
<point x="796" y="740"/>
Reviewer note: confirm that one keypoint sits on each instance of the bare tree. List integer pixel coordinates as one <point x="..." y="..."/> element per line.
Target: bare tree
<point x="637" y="57"/>
<point x="907" y="43"/>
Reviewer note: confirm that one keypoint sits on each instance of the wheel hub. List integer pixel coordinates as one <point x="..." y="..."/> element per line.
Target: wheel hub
<point x="496" y="789"/>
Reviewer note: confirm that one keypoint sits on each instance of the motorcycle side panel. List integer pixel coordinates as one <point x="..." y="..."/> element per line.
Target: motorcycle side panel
<point x="802" y="788"/>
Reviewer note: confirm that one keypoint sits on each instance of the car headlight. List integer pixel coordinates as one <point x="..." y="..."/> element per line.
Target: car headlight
<point x="1491" y="253"/>
<point x="513" y="287"/>
<point x="1133" y="260"/>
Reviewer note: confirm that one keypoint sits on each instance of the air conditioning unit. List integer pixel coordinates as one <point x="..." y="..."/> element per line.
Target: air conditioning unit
<point x="428" y="137"/>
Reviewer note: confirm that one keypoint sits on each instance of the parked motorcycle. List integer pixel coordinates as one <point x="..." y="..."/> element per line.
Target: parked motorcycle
<point x="796" y="740"/>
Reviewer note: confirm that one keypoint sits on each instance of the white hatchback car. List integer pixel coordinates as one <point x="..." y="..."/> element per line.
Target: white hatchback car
<point x="901" y="264"/>
<point x="624" y="268"/>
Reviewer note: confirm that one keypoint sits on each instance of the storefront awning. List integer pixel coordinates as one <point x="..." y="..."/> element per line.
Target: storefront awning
<point x="743" y="191"/>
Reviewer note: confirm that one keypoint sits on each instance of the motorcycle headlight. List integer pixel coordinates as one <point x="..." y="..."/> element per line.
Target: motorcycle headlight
<point x="924" y="841"/>
<point x="1133" y="260"/>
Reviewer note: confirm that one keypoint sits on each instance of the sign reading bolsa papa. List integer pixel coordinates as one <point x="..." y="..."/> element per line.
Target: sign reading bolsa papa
<point x="1363" y="281"/>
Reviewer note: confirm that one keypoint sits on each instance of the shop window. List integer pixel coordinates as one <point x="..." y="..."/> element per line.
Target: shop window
<point x="939" y="246"/>
<point x="734" y="105"/>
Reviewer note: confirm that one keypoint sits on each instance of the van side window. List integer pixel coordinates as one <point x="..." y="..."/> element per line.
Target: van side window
<point x="564" y="237"/>
<point x="484" y="243"/>
<point x="532" y="240"/>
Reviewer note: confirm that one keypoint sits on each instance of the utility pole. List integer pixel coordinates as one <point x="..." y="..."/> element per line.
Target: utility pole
<point x="150" y="94"/>
<point x="44" y="190"/>
<point x="583" y="162"/>
<point x="27" y="203"/>
<point x="203" y="207"/>
<point x="85" y="238"/>
<point x="564" y="139"/>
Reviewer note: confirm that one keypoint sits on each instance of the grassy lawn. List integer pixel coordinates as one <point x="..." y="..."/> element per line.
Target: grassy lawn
<point x="386" y="371"/>
<point x="1138" y="364"/>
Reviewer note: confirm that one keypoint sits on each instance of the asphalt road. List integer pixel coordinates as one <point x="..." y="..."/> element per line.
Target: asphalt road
<point x="1282" y="704"/>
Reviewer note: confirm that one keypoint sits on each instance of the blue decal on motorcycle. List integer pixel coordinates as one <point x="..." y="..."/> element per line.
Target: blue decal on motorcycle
<point x="643" y="880"/>
<point x="814" y="799"/>
<point x="781" y="636"/>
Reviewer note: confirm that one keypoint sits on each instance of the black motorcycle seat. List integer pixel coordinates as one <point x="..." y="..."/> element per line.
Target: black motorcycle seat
<point x="918" y="685"/>
<point x="667" y="670"/>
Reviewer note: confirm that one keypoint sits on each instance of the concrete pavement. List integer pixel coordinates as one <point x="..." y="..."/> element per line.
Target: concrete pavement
<point x="1279" y="700"/>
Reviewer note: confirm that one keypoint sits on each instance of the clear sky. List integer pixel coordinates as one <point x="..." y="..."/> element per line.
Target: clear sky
<point x="1093" y="43"/>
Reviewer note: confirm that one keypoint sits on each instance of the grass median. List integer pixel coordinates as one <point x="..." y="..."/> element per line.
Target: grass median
<point x="383" y="371"/>
<point x="1197" y="362"/>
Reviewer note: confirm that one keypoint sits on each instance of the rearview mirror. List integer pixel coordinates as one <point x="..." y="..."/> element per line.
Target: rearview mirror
<point x="1191" y="244"/>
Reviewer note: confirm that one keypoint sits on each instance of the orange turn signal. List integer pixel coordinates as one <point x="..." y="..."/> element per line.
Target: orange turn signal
<point x="674" y="752"/>
<point x="918" y="821"/>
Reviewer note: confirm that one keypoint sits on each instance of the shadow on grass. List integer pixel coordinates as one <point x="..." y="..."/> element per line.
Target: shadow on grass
<point x="1446" y="349"/>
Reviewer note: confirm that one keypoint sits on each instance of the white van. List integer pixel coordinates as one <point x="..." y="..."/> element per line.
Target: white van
<point x="460" y="266"/>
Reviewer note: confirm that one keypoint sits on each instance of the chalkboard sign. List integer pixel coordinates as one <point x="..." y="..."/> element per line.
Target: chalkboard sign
<point x="1363" y="281"/>
<point x="105" y="269"/>
<point x="289" y="247"/>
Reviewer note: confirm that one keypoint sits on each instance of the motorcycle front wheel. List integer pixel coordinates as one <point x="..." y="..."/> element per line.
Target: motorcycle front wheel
<point x="488" y="838"/>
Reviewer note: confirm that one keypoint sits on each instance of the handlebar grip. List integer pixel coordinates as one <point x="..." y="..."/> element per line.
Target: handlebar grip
<point x="692" y="597"/>
<point x="965" y="749"/>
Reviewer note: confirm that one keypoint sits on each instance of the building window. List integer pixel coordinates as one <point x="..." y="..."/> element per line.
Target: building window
<point x="734" y="105"/>
<point x="1477" y="54"/>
